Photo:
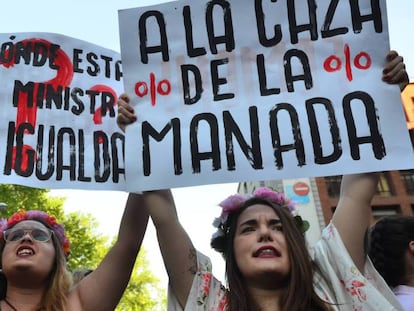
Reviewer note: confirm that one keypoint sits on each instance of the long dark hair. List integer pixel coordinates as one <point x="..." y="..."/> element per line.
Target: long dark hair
<point x="299" y="293"/>
<point x="389" y="239"/>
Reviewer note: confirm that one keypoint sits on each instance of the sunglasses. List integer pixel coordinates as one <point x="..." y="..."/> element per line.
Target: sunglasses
<point x="15" y="235"/>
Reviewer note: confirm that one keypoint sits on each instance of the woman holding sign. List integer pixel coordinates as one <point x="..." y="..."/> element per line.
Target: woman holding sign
<point x="34" y="250"/>
<point x="261" y="238"/>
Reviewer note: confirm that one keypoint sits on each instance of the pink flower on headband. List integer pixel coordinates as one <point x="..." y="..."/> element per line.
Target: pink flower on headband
<point x="235" y="201"/>
<point x="232" y="203"/>
<point x="277" y="197"/>
<point x="43" y="217"/>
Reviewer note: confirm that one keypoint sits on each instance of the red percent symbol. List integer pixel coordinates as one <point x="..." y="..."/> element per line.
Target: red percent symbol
<point x="163" y="88"/>
<point x="361" y="61"/>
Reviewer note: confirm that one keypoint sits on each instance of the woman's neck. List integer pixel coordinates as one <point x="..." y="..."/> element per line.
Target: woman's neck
<point x="24" y="299"/>
<point x="409" y="269"/>
<point x="410" y="279"/>
<point x="265" y="299"/>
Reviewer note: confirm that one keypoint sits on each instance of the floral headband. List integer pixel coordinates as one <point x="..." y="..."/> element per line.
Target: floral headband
<point x="235" y="201"/>
<point x="41" y="216"/>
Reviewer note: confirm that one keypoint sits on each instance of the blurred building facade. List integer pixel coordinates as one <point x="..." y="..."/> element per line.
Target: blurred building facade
<point x="395" y="194"/>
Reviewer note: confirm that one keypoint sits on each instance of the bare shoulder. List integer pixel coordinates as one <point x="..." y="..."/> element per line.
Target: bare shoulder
<point x="73" y="302"/>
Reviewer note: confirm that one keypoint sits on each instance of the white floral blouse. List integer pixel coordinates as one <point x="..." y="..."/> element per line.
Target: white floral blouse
<point x="348" y="290"/>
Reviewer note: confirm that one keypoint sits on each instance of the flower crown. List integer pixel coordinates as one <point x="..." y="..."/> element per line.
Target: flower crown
<point x="43" y="217"/>
<point x="235" y="202"/>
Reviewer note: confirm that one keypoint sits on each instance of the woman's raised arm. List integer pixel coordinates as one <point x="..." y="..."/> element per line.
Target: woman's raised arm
<point x="353" y="212"/>
<point x="177" y="250"/>
<point x="103" y="288"/>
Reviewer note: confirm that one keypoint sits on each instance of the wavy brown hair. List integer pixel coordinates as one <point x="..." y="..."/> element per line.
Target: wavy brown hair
<point x="60" y="279"/>
<point x="299" y="293"/>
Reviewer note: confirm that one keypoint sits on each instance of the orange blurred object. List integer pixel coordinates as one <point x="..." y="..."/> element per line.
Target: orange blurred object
<point x="408" y="101"/>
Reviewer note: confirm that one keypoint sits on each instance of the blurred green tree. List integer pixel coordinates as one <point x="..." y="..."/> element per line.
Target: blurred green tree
<point x="145" y="285"/>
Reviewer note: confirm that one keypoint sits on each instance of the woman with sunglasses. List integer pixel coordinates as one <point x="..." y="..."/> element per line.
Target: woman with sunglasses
<point x="34" y="251"/>
<point x="268" y="265"/>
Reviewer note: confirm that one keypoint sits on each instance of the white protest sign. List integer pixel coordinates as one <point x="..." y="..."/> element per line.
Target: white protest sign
<point x="58" y="97"/>
<point x="227" y="91"/>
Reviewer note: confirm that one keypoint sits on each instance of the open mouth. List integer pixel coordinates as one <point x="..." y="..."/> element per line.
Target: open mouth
<point x="266" y="252"/>
<point x="25" y="251"/>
